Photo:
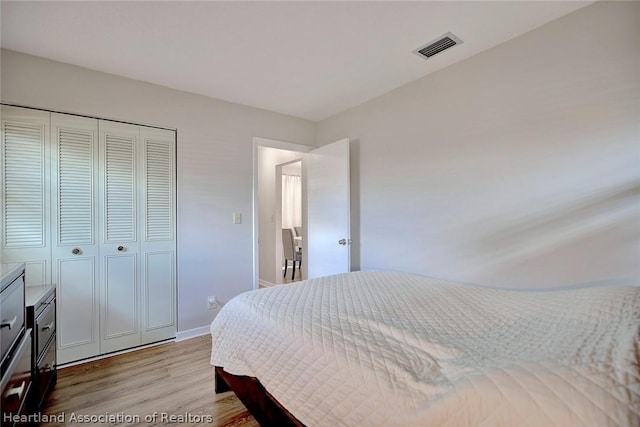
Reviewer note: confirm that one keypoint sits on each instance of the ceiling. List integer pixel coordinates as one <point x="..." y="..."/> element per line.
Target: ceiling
<point x="307" y="59"/>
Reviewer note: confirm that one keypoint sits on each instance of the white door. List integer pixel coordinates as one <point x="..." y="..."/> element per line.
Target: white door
<point x="24" y="170"/>
<point x="158" y="239"/>
<point x="327" y="239"/>
<point x="75" y="243"/>
<point x="120" y="246"/>
<point x="138" y="250"/>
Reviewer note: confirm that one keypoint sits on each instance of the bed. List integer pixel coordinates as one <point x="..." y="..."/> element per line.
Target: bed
<point x="391" y="349"/>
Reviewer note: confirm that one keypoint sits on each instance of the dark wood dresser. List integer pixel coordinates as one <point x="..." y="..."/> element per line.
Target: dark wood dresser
<point x="15" y="346"/>
<point x="41" y="318"/>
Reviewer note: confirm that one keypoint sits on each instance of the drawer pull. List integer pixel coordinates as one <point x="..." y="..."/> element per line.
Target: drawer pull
<point x="10" y="323"/>
<point x="16" y="391"/>
<point x="47" y="327"/>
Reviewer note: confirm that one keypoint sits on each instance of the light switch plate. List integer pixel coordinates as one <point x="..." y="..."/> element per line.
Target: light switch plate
<point x="237" y="218"/>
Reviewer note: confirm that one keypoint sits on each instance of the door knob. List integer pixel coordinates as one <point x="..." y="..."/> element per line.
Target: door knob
<point x="342" y="242"/>
<point x="76" y="251"/>
<point x="121" y="249"/>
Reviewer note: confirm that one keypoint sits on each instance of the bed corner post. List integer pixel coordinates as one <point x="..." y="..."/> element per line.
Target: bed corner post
<point x="221" y="385"/>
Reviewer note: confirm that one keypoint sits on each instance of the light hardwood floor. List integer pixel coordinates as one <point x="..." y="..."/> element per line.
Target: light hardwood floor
<point x="174" y="379"/>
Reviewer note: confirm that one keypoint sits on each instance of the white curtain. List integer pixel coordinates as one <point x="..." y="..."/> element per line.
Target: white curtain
<point x="291" y="201"/>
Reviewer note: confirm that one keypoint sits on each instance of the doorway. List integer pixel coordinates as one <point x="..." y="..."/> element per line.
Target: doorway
<point x="326" y="214"/>
<point x="289" y="221"/>
<point x="270" y="157"/>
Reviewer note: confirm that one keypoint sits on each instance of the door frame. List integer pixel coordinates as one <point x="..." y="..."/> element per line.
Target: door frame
<point x="270" y="143"/>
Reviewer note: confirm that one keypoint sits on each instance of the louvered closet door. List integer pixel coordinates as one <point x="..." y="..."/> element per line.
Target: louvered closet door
<point x="158" y="220"/>
<point x="75" y="256"/>
<point x="120" y="245"/>
<point x="24" y="167"/>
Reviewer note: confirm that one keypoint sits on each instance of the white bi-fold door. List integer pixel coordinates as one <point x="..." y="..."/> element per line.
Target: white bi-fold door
<point x="157" y="235"/>
<point x="75" y="248"/>
<point x="24" y="170"/>
<point x="90" y="206"/>
<point x="119" y="241"/>
<point x="137" y="247"/>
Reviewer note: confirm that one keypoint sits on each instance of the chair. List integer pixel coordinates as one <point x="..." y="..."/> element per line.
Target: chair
<point x="297" y="240"/>
<point x="290" y="252"/>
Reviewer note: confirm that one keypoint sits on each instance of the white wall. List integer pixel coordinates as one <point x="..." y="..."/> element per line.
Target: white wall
<point x="268" y="158"/>
<point x="519" y="167"/>
<point x="215" y="146"/>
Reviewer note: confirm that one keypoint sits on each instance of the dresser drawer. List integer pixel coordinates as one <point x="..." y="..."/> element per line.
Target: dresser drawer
<point x="45" y="326"/>
<point x="45" y="374"/>
<point x="16" y="383"/>
<point x="11" y="316"/>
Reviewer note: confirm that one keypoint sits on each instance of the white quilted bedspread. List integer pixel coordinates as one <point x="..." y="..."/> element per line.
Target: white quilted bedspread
<point x="391" y="349"/>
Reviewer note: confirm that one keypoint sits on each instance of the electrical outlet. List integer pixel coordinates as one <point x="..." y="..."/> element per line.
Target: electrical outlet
<point x="212" y="303"/>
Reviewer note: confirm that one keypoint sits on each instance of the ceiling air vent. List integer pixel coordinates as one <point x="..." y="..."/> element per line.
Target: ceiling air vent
<point x="436" y="46"/>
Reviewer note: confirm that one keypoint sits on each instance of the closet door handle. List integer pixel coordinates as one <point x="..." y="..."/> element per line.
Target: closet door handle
<point x="47" y="327"/>
<point x="121" y="248"/>
<point x="76" y="251"/>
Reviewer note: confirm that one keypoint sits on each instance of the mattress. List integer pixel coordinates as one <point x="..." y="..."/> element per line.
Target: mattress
<point x="392" y="349"/>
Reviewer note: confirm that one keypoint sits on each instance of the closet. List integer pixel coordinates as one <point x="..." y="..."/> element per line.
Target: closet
<point x="90" y="205"/>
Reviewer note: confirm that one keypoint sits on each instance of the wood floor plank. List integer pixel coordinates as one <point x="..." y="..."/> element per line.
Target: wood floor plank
<point x="175" y="379"/>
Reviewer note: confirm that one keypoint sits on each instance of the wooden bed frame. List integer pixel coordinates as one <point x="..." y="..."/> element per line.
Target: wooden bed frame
<point x="264" y="407"/>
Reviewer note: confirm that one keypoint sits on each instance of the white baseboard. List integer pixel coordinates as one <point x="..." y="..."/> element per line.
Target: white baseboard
<point x="192" y="333"/>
